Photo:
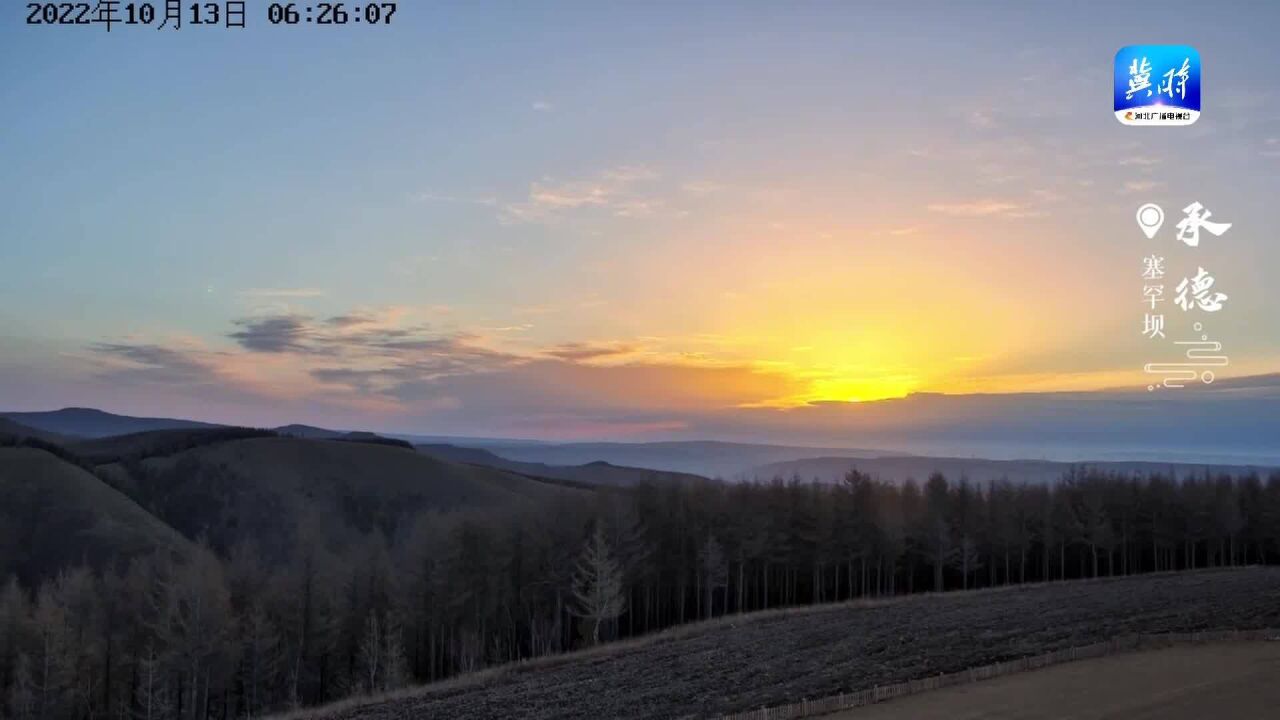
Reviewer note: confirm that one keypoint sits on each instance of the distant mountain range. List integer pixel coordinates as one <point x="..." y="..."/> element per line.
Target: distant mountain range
<point x="706" y="458"/>
<point x="612" y="463"/>
<point x="919" y="468"/>
<point x="597" y="472"/>
<point x="80" y="423"/>
<point x="91" y="423"/>
<point x="9" y="427"/>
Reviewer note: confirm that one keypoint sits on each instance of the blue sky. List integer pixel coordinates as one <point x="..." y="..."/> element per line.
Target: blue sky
<point x="627" y="217"/>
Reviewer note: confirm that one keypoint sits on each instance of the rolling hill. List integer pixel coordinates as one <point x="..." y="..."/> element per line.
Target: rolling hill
<point x="309" y="432"/>
<point x="899" y="469"/>
<point x="594" y="473"/>
<point x="706" y="458"/>
<point x="265" y="488"/>
<point x="91" y="423"/>
<point x="153" y="443"/>
<point x="14" y="430"/>
<point x="69" y="499"/>
<point x="56" y="514"/>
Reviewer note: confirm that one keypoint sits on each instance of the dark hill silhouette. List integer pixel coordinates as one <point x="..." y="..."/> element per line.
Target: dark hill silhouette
<point x="309" y="432"/>
<point x="706" y="458"/>
<point x="269" y="488"/>
<point x="55" y="515"/>
<point x="593" y="473"/>
<point x="92" y="423"/>
<point x="373" y="439"/>
<point x="899" y="469"/>
<point x="157" y="443"/>
<point x="153" y="443"/>
<point x="17" y="431"/>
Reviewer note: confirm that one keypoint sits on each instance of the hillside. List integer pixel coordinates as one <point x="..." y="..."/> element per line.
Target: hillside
<point x="91" y="423"/>
<point x="771" y="658"/>
<point x="152" y="443"/>
<point x="595" y="473"/>
<point x="309" y="432"/>
<point x="266" y="488"/>
<point x="55" y="515"/>
<point x="899" y="469"/>
<point x="705" y="458"/>
<point x="9" y="428"/>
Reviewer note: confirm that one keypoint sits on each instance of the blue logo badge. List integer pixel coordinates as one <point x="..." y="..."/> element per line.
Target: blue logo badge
<point x="1157" y="85"/>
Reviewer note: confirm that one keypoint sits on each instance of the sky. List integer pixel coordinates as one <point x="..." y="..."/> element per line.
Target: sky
<point x="619" y="220"/>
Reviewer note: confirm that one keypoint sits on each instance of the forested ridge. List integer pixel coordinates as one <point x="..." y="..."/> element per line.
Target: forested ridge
<point x="231" y="631"/>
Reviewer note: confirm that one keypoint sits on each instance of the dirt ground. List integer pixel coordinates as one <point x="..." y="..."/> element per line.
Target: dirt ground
<point x="1239" y="681"/>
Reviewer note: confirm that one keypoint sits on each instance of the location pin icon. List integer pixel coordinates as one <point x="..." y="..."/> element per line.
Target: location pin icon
<point x="1150" y="218"/>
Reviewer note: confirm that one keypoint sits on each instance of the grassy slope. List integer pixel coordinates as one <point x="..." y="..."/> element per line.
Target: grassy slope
<point x="771" y="658"/>
<point x="55" y="514"/>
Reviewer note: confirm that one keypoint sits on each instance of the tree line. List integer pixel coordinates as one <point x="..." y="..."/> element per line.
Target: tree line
<point x="222" y="632"/>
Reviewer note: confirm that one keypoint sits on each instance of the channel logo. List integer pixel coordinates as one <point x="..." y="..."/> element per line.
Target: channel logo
<point x="1157" y="85"/>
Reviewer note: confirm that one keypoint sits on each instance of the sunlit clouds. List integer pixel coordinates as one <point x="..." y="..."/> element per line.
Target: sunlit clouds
<point x="742" y="224"/>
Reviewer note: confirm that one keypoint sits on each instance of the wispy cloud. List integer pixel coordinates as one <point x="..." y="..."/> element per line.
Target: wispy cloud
<point x="384" y="359"/>
<point x="1135" y="186"/>
<point x="701" y="187"/>
<point x="274" y="334"/>
<point x="980" y="208"/>
<point x="150" y="363"/>
<point x="431" y="197"/>
<point x="388" y="368"/>
<point x="614" y="192"/>
<point x="351" y="320"/>
<point x="981" y="119"/>
<point x="583" y="352"/>
<point x="542" y="106"/>
<point x="281" y="293"/>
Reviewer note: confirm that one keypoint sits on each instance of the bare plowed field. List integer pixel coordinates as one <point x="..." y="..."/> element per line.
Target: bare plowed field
<point x="1190" y="682"/>
<point x="777" y="658"/>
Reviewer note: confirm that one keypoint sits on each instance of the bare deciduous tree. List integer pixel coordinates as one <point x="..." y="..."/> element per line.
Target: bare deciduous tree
<point x="597" y="585"/>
